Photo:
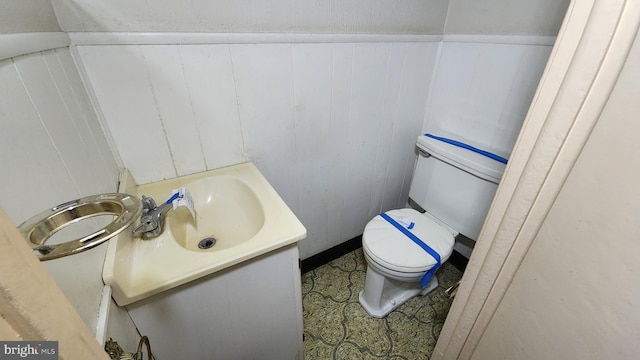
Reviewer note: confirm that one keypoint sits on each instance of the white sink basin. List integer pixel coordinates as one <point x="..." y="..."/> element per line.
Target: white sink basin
<point x="235" y="206"/>
<point x="228" y="213"/>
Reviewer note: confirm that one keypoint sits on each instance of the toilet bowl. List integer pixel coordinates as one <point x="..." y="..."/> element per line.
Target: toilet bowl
<point x="454" y="182"/>
<point x="396" y="264"/>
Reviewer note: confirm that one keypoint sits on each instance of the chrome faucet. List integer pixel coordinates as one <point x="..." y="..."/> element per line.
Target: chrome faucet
<point x="152" y="219"/>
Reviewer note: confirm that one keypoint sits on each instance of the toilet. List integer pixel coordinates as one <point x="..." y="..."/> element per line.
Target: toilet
<point x="453" y="185"/>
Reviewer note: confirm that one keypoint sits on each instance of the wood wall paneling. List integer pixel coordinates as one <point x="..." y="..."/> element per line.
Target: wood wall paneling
<point x="482" y="92"/>
<point x="121" y="82"/>
<point x="53" y="151"/>
<point x="208" y="73"/>
<point x="331" y="125"/>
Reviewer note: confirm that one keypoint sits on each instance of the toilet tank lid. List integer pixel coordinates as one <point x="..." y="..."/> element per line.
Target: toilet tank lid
<point x="468" y="160"/>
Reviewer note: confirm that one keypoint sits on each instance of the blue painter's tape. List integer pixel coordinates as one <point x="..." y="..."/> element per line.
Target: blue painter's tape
<point x="469" y="147"/>
<point x="429" y="274"/>
<point x="173" y="197"/>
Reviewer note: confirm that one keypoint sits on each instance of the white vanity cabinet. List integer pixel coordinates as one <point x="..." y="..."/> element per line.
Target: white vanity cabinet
<point x="252" y="310"/>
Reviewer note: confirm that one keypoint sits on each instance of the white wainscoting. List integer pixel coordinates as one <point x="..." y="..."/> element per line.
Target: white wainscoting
<point x="332" y="126"/>
<point x="53" y="150"/>
<point x="481" y="91"/>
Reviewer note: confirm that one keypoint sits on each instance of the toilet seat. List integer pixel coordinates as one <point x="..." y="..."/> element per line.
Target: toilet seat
<point x="391" y="249"/>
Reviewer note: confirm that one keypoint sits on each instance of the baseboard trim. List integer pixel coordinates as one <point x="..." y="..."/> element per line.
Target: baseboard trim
<point x="458" y="260"/>
<point x="331" y="254"/>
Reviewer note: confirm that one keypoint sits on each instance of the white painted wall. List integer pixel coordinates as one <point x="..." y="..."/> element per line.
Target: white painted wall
<point x="27" y="16"/>
<point x="332" y="126"/>
<point x="576" y="294"/>
<point x="485" y="17"/>
<point x="241" y="16"/>
<point x="500" y="17"/>
<point x="53" y="150"/>
<point x="482" y="89"/>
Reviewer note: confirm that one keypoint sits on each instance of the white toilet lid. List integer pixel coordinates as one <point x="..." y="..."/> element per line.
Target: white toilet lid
<point x="390" y="248"/>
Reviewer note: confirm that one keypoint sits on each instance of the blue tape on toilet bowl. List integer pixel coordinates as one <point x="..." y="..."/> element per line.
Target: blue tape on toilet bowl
<point x="429" y="274"/>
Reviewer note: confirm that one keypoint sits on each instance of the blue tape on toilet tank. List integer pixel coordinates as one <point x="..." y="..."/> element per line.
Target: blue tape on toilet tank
<point x="469" y="147"/>
<point x="429" y="274"/>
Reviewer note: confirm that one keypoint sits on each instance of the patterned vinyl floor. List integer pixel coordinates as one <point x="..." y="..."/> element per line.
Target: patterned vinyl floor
<point x="336" y="326"/>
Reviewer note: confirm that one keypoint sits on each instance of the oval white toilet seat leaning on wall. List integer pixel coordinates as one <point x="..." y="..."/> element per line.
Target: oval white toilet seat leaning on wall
<point x="454" y="183"/>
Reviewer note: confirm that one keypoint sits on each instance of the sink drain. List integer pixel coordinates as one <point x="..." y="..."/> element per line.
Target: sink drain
<point x="207" y="243"/>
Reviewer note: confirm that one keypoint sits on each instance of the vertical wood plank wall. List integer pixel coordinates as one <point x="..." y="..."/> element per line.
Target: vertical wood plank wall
<point x="482" y="91"/>
<point x="331" y="125"/>
<point x="53" y="150"/>
<point x="327" y="124"/>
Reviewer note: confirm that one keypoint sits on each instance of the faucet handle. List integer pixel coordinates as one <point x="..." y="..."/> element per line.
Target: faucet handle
<point x="148" y="204"/>
<point x="147" y="223"/>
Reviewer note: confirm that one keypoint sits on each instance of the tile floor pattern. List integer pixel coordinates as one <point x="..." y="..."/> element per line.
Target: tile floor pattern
<point x="337" y="327"/>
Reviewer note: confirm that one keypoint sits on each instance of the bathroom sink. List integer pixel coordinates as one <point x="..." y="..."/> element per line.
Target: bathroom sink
<point x="239" y="216"/>
<point x="228" y="214"/>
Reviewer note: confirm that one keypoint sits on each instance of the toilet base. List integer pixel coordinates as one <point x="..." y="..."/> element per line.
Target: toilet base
<point x="382" y="295"/>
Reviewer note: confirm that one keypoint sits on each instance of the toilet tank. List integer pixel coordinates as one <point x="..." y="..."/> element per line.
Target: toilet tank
<point x="454" y="184"/>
